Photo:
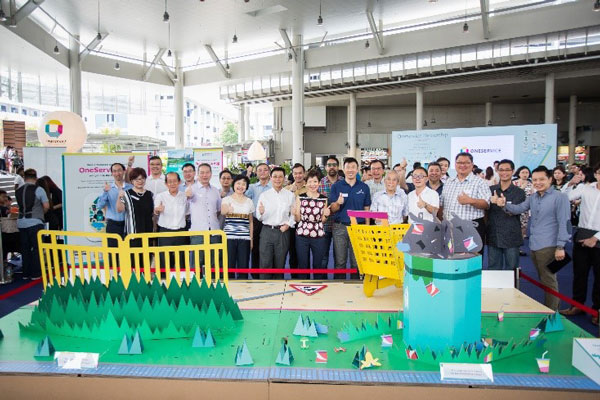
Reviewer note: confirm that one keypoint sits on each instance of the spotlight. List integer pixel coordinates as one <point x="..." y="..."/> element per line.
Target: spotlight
<point x="320" y="20"/>
<point x="117" y="66"/>
<point x="2" y="16"/>
<point x="466" y="28"/>
<point x="369" y="124"/>
<point x="235" y="39"/>
<point x="227" y="67"/>
<point x="424" y="122"/>
<point x="367" y="44"/>
<point x="290" y="56"/>
<point x="56" y="49"/>
<point x="169" y="54"/>
<point x="99" y="36"/>
<point x="597" y="5"/>
<point x="489" y="122"/>
<point x="166" y="17"/>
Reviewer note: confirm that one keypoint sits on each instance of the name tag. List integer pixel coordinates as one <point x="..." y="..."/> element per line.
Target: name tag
<point x="344" y="195"/>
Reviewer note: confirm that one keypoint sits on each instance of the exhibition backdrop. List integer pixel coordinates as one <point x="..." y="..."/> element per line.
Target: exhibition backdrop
<point x="212" y="156"/>
<point x="44" y="161"/>
<point x="529" y="145"/>
<point x="84" y="176"/>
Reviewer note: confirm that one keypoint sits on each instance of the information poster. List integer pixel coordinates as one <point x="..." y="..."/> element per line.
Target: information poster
<point x="212" y="156"/>
<point x="84" y="177"/>
<point x="529" y="145"/>
<point x="43" y="160"/>
<point x="178" y="158"/>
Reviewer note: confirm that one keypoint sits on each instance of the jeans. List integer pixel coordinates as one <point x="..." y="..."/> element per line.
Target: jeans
<point x="304" y="246"/>
<point x="341" y="248"/>
<point x="503" y="259"/>
<point x="117" y="227"/>
<point x="274" y="246"/>
<point x="256" y="228"/>
<point x="30" y="252"/>
<point x="541" y="258"/>
<point x="325" y="263"/>
<point x="238" y="254"/>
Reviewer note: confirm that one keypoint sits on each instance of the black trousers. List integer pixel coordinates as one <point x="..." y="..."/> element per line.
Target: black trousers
<point x="238" y="253"/>
<point x="173" y="241"/>
<point x="256" y="228"/>
<point x="584" y="259"/>
<point x="481" y="230"/>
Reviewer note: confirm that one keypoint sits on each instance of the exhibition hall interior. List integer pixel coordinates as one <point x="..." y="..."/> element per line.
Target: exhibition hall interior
<point x="300" y="198"/>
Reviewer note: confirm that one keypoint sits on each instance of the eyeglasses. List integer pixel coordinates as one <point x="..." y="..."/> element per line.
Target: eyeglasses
<point x="332" y="164"/>
<point x="419" y="176"/>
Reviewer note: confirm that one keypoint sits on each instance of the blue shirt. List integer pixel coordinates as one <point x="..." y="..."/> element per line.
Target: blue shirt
<point x="109" y="200"/>
<point x="550" y="220"/>
<point x="42" y="197"/>
<point x="356" y="197"/>
<point x="254" y="192"/>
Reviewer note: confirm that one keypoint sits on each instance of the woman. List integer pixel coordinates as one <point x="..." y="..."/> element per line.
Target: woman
<point x="54" y="215"/>
<point x="238" y="210"/>
<point x="559" y="177"/>
<point x="523" y="175"/>
<point x="310" y="212"/>
<point x="171" y="208"/>
<point x="138" y="206"/>
<point x="489" y="176"/>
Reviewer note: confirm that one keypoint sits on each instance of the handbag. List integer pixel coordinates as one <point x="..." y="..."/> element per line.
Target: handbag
<point x="557" y="265"/>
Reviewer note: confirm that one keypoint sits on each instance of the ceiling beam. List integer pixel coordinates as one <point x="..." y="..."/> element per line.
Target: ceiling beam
<point x="157" y="57"/>
<point x="288" y="42"/>
<point x="377" y="35"/>
<point x="485" y="12"/>
<point x="92" y="46"/>
<point x="167" y="70"/>
<point x="25" y="10"/>
<point x="216" y="60"/>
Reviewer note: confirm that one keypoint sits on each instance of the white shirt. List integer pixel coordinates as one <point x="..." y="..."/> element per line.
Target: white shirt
<point x="19" y="181"/>
<point x="429" y="196"/>
<point x="278" y="207"/>
<point x="394" y="205"/>
<point x="589" y="209"/>
<point x="176" y="207"/>
<point x="156" y="185"/>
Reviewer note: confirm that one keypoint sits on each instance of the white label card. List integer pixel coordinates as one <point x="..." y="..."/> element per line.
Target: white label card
<point x="464" y="371"/>
<point x="75" y="360"/>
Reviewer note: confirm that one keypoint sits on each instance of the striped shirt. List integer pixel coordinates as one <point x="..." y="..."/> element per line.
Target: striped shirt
<point x="325" y="188"/>
<point x="237" y="223"/>
<point x="474" y="187"/>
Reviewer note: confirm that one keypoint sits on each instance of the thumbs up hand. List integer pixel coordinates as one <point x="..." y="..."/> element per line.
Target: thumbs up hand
<point x="189" y="191"/>
<point x="421" y="203"/>
<point x="494" y="198"/>
<point x="261" y="208"/>
<point x="106" y="187"/>
<point x="159" y="209"/>
<point x="404" y="163"/>
<point x="501" y="201"/>
<point x="463" y="199"/>
<point x="340" y="200"/>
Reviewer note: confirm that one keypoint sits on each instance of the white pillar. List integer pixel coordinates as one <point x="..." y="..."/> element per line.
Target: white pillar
<point x="298" y="102"/>
<point x="572" y="128"/>
<point x="549" y="106"/>
<point x="488" y="114"/>
<point x="352" y="126"/>
<point x="419" y="108"/>
<point x="241" y="123"/>
<point x="75" y="75"/>
<point x="247" y="123"/>
<point x="178" y="97"/>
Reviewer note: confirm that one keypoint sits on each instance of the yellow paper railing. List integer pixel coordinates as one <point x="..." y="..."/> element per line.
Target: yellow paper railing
<point x="63" y="257"/>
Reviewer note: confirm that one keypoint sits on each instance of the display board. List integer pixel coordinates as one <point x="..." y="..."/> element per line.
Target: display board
<point x="529" y="145"/>
<point x="178" y="158"/>
<point x="212" y="156"/>
<point x="43" y="160"/>
<point x="84" y="176"/>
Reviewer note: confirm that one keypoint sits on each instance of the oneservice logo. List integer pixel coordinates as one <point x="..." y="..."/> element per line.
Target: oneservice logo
<point x="54" y="128"/>
<point x="464" y="149"/>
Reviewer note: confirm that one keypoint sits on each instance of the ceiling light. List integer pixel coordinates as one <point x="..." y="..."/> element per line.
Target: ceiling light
<point x="433" y="1"/>
<point x="290" y="56"/>
<point x="117" y="66"/>
<point x="424" y="122"/>
<point x="2" y="15"/>
<point x="99" y="36"/>
<point x="489" y="122"/>
<point x="56" y="49"/>
<point x="597" y="5"/>
<point x="169" y="54"/>
<point x="369" y="124"/>
<point x="466" y="28"/>
<point x="235" y="39"/>
<point x="367" y="44"/>
<point x="166" y="17"/>
<point x="433" y="120"/>
<point x="320" y="19"/>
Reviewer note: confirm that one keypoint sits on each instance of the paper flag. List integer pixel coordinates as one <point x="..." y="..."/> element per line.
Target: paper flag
<point x="543" y="365"/>
<point x="309" y="290"/>
<point x="399" y="324"/>
<point x="339" y="349"/>
<point x="534" y="333"/>
<point x="387" y="340"/>
<point x="432" y="290"/>
<point x="304" y="342"/>
<point x="488" y="358"/>
<point x="369" y="361"/>
<point x="412" y="354"/>
<point x="321" y="356"/>
<point x="469" y="243"/>
<point x="500" y="316"/>
<point x="417" y="229"/>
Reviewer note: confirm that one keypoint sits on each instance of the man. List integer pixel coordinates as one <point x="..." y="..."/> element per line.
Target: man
<point x="392" y="200"/>
<point x="376" y="183"/>
<point x="496" y="173"/>
<point x="225" y="179"/>
<point x="204" y="206"/>
<point x="465" y="195"/>
<point x="254" y="192"/>
<point x="297" y="187"/>
<point x="573" y="171"/>
<point x="156" y="180"/>
<point x="275" y="213"/>
<point x="434" y="173"/>
<point x="115" y="221"/>
<point x="331" y="167"/>
<point x="504" y="230"/>
<point x="189" y="176"/>
<point x="423" y="201"/>
<point x="347" y="194"/>
<point x="548" y="227"/>
<point x="586" y="246"/>
<point x="248" y="171"/>
<point x="33" y="203"/>
<point x="445" y="165"/>
<point x="365" y="174"/>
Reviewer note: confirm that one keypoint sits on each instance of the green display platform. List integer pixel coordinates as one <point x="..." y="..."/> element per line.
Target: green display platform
<point x="264" y="331"/>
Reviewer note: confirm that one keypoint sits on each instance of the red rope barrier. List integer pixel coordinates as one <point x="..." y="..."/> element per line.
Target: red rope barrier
<point x="591" y="311"/>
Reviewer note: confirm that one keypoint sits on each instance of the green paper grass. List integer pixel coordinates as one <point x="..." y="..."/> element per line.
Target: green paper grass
<point x="366" y="329"/>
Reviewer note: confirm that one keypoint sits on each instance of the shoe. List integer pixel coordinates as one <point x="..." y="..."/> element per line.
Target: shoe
<point x="571" y="311"/>
<point x="522" y="253"/>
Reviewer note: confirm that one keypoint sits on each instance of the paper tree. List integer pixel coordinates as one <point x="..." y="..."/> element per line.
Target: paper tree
<point x="202" y="340"/>
<point x="242" y="355"/>
<point x="1" y="335"/>
<point x="285" y="356"/>
<point x="305" y="327"/>
<point x="45" y="348"/>
<point x="551" y="323"/>
<point x="359" y="357"/>
<point x="131" y="345"/>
